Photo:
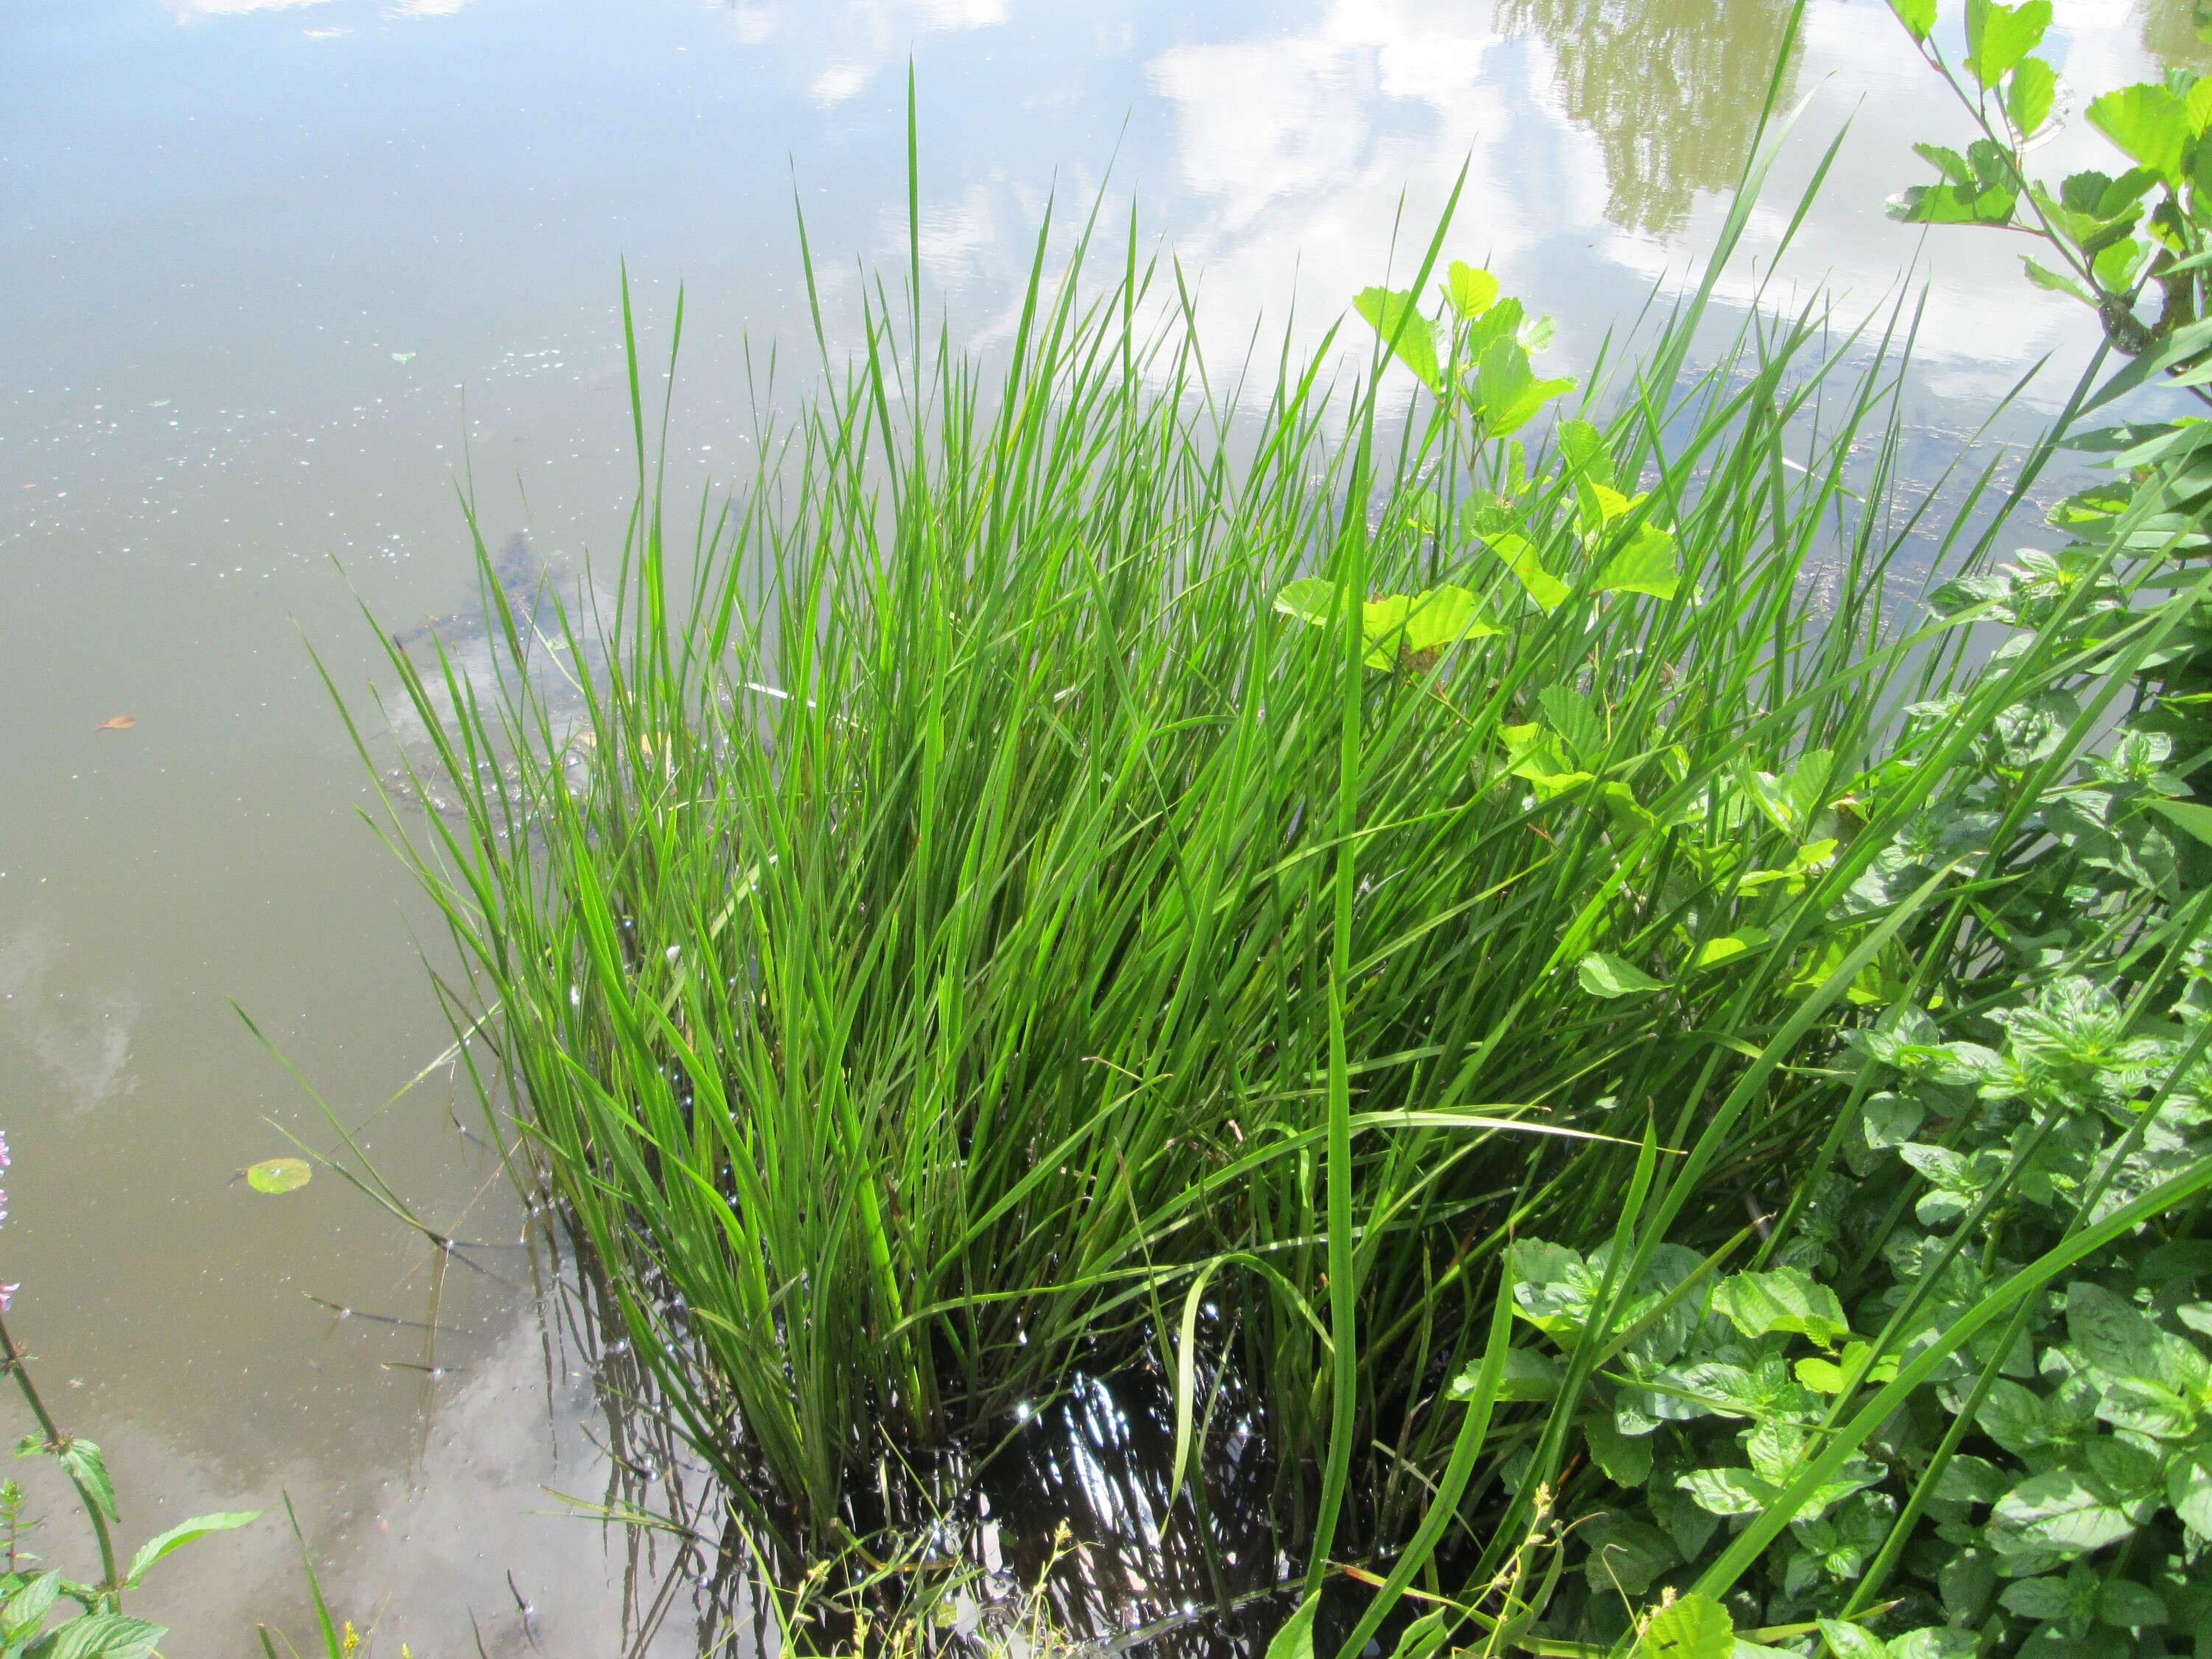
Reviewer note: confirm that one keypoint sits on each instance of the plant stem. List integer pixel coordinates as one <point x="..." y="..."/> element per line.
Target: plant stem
<point x="12" y="1358"/>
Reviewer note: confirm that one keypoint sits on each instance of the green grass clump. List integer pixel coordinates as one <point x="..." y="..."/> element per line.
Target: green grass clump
<point x="997" y="898"/>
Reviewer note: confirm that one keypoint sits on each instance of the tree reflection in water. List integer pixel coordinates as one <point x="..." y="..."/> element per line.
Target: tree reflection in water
<point x="1671" y="90"/>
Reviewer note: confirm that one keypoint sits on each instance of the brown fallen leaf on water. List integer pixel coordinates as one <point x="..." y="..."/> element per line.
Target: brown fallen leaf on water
<point x="117" y="723"/>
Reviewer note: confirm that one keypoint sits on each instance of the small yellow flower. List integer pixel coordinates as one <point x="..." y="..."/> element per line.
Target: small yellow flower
<point x="352" y="1639"/>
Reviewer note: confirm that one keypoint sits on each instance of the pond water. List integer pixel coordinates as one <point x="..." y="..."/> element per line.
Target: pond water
<point x="280" y="272"/>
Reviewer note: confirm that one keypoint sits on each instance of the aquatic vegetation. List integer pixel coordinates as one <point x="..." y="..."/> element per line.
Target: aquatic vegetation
<point x="990" y="927"/>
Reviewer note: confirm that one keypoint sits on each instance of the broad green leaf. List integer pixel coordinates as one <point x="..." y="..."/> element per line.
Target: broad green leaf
<point x="279" y="1175"/>
<point x="1625" y="1460"/>
<point x="1952" y="205"/>
<point x="2056" y="280"/>
<point x="89" y="1470"/>
<point x="2118" y="1339"/>
<point x="1473" y="290"/>
<point x="1528" y="1376"/>
<point x="1784" y="1299"/>
<point x="1645" y="564"/>
<point x="1295" y="1639"/>
<point x="1610" y="976"/>
<point x="1540" y="584"/>
<point x="2197" y="820"/>
<point x="2064" y="1511"/>
<point x="1569" y="713"/>
<point x="2028" y="99"/>
<point x="25" y="1611"/>
<point x="1918" y="16"/>
<point x="1507" y="393"/>
<point x="1825" y="1375"/>
<point x="2149" y="124"/>
<point x="2114" y="267"/>
<point x="1692" y="1626"/>
<point x="1532" y="752"/>
<point x="1949" y="163"/>
<point x="2127" y="1605"/>
<point x="1443" y="615"/>
<point x="1310" y="599"/>
<point x="98" y="1636"/>
<point x="1998" y="36"/>
<point x="183" y="1533"/>
<point x="1726" y="1491"/>
<point x="1851" y="1642"/>
<point x="1582" y="447"/>
<point x="1395" y="315"/>
<point x="2046" y="1596"/>
<point x="1729" y="946"/>
<point x="2189" y="1487"/>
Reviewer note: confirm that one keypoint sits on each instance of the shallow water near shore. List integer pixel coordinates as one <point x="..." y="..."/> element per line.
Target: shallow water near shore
<point x="287" y="275"/>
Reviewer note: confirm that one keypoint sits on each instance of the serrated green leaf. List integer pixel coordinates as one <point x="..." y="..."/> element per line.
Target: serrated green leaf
<point x="2189" y="1487"/>
<point x="1729" y="946"/>
<point x="183" y="1533"/>
<point x="89" y="1470"/>
<point x="1625" y="1459"/>
<point x="2056" y="280"/>
<point x="1692" y="1626"/>
<point x="98" y="1636"/>
<point x="1472" y="290"/>
<point x="25" y="1610"/>
<point x="2064" y="1511"/>
<point x="2030" y="94"/>
<point x="1610" y="976"/>
<point x="2149" y="124"/>
<point x="1784" y="1299"/>
<point x="1540" y="584"/>
<point x="1851" y="1642"/>
<point x="1998" y="36"/>
<point x="1395" y="316"/>
<point x="1918" y="16"/>
<point x="1644" y="564"/>
<point x="2127" y="1605"/>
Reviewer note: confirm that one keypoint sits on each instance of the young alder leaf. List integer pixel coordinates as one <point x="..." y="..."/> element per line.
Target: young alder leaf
<point x="1918" y="16"/>
<point x="2029" y="96"/>
<point x="1310" y="599"/>
<point x="279" y="1175"/>
<point x="1645" y="564"/>
<point x="2056" y="280"/>
<point x="1998" y="36"/>
<point x="1693" y="1626"/>
<point x="1443" y="615"/>
<point x="1729" y="946"/>
<point x="1540" y="584"/>
<point x="2149" y="124"/>
<point x="1610" y="976"/>
<point x="1582" y="447"/>
<point x="182" y="1534"/>
<point x="1472" y="290"/>
<point x="1395" y="315"/>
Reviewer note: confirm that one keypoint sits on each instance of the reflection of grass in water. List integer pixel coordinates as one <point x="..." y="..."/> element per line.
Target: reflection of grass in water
<point x="1671" y="89"/>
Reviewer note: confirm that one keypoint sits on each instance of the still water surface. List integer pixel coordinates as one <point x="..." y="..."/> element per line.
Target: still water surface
<point x="276" y="270"/>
